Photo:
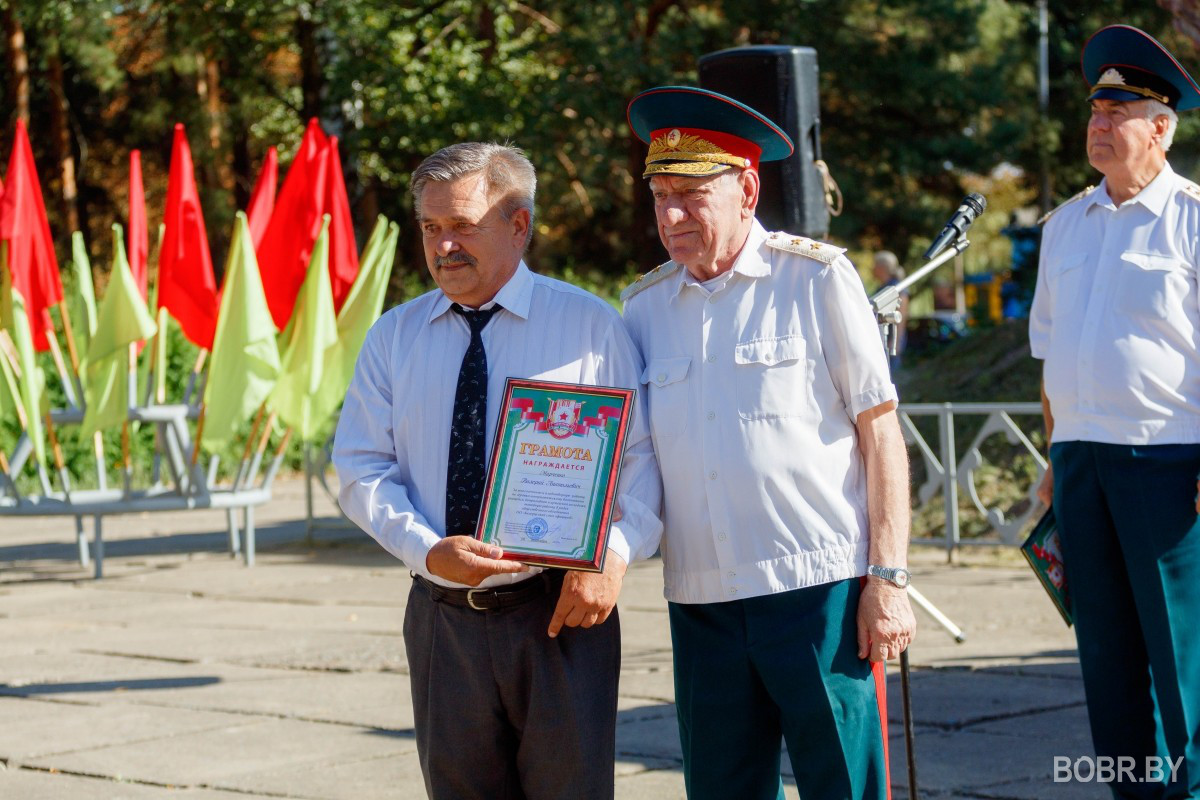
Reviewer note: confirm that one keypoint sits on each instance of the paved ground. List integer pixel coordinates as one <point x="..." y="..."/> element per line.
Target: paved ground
<point x="184" y="674"/>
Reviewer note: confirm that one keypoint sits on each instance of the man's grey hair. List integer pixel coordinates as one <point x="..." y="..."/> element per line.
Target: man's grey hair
<point x="1152" y="110"/>
<point x="887" y="259"/>
<point x="505" y="168"/>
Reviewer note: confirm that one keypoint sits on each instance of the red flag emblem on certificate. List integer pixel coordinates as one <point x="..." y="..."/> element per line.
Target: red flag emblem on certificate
<point x="563" y="418"/>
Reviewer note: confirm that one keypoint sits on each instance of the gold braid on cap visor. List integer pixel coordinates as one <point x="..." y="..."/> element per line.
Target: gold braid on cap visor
<point x="691" y="148"/>
<point x="695" y="168"/>
<point x="1124" y="87"/>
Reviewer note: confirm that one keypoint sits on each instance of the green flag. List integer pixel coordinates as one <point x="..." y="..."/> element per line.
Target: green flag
<point x="359" y="312"/>
<point x="83" y="300"/>
<point x="313" y="329"/>
<point x="15" y="320"/>
<point x="245" y="359"/>
<point x="123" y="319"/>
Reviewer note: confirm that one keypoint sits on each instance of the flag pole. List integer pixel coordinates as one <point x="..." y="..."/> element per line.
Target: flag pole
<point x="197" y="368"/>
<point x="66" y="321"/>
<point x="97" y="438"/>
<point x="199" y="432"/>
<point x="8" y="353"/>
<point x="250" y="438"/>
<point x="60" y="365"/>
<point x="9" y="350"/>
<point x="126" y="459"/>
<point x="252" y="473"/>
<point x="58" y="458"/>
<point x="274" y="467"/>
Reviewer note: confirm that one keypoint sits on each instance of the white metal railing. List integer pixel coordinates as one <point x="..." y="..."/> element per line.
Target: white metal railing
<point x="945" y="472"/>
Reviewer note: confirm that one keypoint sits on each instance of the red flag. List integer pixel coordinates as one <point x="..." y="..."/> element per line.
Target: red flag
<point x="139" y="235"/>
<point x="343" y="252"/>
<point x="186" y="286"/>
<point x="295" y="224"/>
<point x="262" y="201"/>
<point x="31" y="257"/>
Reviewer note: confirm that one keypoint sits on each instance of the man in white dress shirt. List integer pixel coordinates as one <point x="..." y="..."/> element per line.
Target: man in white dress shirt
<point x="1116" y="318"/>
<point x="785" y="475"/>
<point x="513" y="670"/>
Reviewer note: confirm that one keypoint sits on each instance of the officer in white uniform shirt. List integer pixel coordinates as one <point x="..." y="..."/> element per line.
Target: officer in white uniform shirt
<point x="1116" y="317"/>
<point x="785" y="474"/>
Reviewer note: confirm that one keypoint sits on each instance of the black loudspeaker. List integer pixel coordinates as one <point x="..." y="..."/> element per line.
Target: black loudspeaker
<point x="779" y="82"/>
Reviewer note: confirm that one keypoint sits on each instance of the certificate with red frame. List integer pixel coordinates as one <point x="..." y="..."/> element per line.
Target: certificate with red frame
<point x="552" y="483"/>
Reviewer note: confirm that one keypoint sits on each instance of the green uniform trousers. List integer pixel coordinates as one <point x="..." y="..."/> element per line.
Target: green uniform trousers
<point x="1131" y="552"/>
<point x="750" y="672"/>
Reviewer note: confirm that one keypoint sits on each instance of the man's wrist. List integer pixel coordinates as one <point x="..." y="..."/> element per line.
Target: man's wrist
<point x="897" y="577"/>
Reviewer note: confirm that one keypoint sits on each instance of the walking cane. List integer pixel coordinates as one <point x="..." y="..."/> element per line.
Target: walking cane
<point x="906" y="696"/>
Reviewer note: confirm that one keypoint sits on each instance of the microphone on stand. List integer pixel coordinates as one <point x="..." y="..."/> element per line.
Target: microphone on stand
<point x="972" y="206"/>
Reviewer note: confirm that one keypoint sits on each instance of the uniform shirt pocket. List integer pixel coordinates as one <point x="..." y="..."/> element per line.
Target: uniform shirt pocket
<point x="667" y="395"/>
<point x="1066" y="278"/>
<point x="771" y="377"/>
<point x="1151" y="285"/>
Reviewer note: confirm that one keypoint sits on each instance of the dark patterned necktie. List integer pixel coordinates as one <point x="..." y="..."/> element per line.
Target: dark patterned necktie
<point x="465" y="467"/>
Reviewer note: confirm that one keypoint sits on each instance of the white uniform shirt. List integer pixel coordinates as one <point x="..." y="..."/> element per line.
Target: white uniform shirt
<point x="393" y="437"/>
<point x="1116" y="316"/>
<point x="753" y="393"/>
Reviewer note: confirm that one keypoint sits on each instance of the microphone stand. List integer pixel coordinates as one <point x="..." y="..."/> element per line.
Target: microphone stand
<point x="886" y="305"/>
<point x="886" y="302"/>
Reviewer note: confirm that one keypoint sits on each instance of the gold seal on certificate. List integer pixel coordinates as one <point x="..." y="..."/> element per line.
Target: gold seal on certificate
<point x="552" y="481"/>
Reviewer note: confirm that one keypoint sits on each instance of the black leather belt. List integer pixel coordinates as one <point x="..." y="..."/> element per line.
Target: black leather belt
<point x="496" y="598"/>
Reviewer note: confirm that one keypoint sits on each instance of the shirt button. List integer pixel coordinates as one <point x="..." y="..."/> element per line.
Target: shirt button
<point x="712" y="298"/>
<point x="712" y="358"/>
<point x="732" y="590"/>
<point x="732" y="574"/>
<point x="712" y="415"/>
<point x="661" y="377"/>
<point x="712" y="476"/>
<point x="721" y="536"/>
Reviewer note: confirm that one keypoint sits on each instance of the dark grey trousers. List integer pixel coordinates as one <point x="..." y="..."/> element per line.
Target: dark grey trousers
<point x="504" y="712"/>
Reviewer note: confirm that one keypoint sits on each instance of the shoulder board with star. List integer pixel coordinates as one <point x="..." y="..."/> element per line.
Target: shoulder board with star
<point x="1191" y="190"/>
<point x="1062" y="205"/>
<point x="659" y="273"/>
<point x="820" y="251"/>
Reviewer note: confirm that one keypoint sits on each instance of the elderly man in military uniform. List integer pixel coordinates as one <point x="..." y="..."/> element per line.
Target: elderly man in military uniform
<point x="786" y="504"/>
<point x="1116" y="317"/>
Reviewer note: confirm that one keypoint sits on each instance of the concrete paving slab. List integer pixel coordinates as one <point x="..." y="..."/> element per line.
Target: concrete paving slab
<point x="222" y="757"/>
<point x="666" y="784"/>
<point x="375" y="700"/>
<point x="24" y="784"/>
<point x="379" y="778"/>
<point x="951" y="699"/>
<point x="971" y="763"/>
<point x="40" y="732"/>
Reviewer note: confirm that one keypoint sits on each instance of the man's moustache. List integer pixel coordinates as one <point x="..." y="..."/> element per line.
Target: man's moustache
<point x="461" y="259"/>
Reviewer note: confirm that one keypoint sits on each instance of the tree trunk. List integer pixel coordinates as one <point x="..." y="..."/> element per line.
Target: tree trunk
<point x="18" y="62"/>
<point x="487" y="32"/>
<point x="311" y="79"/>
<point x="60" y="137"/>
<point x="243" y="166"/>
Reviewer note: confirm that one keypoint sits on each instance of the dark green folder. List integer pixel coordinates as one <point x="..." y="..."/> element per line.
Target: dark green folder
<point x="1043" y="551"/>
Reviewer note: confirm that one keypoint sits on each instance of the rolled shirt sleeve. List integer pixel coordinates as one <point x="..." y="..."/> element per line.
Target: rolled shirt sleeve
<point x="854" y="352"/>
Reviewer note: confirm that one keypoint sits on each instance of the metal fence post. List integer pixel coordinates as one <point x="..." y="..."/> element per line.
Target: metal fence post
<point x="949" y="478"/>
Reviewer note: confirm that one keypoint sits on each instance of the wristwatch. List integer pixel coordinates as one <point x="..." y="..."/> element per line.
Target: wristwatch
<point x="894" y="575"/>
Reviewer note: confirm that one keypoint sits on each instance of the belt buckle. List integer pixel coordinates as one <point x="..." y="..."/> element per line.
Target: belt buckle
<point x="471" y="599"/>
